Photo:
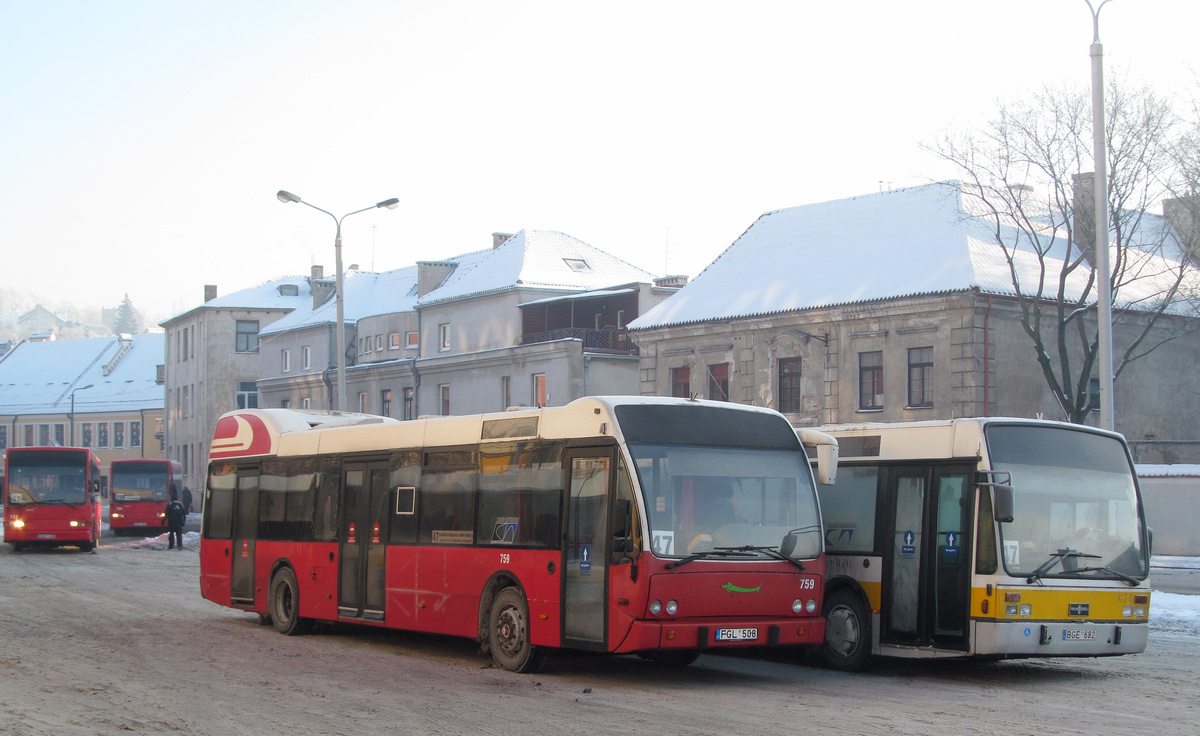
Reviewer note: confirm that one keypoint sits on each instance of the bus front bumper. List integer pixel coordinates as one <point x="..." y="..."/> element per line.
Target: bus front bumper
<point x="1060" y="638"/>
<point x="679" y="634"/>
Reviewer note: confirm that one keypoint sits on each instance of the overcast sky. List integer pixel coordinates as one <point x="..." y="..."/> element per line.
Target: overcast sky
<point x="144" y="141"/>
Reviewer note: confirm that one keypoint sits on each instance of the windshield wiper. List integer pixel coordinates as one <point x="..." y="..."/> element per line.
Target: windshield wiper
<point x="1055" y="558"/>
<point x="57" y="502"/>
<point x="769" y="551"/>
<point x="722" y="552"/>
<point x="1104" y="568"/>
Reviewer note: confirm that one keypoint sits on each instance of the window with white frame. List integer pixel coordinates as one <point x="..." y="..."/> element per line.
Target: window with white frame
<point x="411" y="339"/>
<point x="286" y="362"/>
<point x="394" y="341"/>
<point x="306" y="358"/>
<point x="443" y="337"/>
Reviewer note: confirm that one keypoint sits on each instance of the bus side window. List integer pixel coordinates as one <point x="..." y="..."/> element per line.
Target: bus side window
<point x="218" y="506"/>
<point x="627" y="525"/>
<point x="325" y="504"/>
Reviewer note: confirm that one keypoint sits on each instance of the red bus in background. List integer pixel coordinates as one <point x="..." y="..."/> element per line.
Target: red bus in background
<point x="140" y="492"/>
<point x="655" y="526"/>
<point x="51" y="497"/>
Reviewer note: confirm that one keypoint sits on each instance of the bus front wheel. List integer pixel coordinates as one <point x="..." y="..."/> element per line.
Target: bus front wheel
<point x="283" y="604"/>
<point x="847" y="632"/>
<point x="508" y="633"/>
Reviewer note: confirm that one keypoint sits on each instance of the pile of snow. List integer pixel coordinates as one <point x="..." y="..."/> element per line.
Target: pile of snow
<point x="1173" y="613"/>
<point x="191" y="540"/>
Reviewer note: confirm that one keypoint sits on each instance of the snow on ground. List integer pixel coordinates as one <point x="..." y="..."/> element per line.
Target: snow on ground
<point x="191" y="540"/>
<point x="1173" y="613"/>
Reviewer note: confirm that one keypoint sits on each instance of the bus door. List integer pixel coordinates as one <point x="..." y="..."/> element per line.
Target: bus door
<point x="363" y="541"/>
<point x="590" y="474"/>
<point x="928" y="555"/>
<point x="245" y="532"/>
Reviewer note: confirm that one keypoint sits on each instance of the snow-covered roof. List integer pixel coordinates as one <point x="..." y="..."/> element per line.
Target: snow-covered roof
<point x="38" y="377"/>
<point x="537" y="259"/>
<point x="1167" y="471"/>
<point x="367" y="294"/>
<point x="904" y="242"/>
<point x="266" y="295"/>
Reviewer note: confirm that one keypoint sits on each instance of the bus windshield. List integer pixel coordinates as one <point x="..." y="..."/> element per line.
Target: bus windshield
<point x="139" y="483"/>
<point x="47" y="478"/>
<point x="702" y="499"/>
<point x="1075" y="511"/>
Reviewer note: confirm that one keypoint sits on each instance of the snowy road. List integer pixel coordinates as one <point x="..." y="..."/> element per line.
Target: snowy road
<point x="121" y="641"/>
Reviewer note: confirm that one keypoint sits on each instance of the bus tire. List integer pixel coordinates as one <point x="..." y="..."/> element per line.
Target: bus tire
<point x="847" y="642"/>
<point x="508" y="633"/>
<point x="283" y="604"/>
<point x="86" y="546"/>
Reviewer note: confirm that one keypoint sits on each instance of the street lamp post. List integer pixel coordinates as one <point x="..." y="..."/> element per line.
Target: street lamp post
<point x="71" y="442"/>
<point x="391" y="204"/>
<point x="1100" y="209"/>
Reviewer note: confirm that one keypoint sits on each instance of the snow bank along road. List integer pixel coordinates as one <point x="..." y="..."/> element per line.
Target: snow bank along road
<point x="122" y="642"/>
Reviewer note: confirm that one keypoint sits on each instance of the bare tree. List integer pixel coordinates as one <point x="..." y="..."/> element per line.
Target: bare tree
<point x="1024" y="174"/>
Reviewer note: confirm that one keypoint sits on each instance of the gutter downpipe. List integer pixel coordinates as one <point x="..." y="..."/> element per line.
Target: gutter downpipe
<point x="416" y="373"/>
<point x="986" y="356"/>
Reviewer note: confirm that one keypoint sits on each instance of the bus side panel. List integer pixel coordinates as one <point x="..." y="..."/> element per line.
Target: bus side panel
<point x="214" y="570"/>
<point x="437" y="589"/>
<point x="315" y="565"/>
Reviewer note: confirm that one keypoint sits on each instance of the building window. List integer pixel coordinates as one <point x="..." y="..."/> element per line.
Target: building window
<point x="306" y="358"/>
<point x="718" y="382"/>
<point x="539" y="390"/>
<point x="411" y="339"/>
<point x="443" y="337"/>
<point x="247" y="336"/>
<point x="187" y="402"/>
<point x="285" y="403"/>
<point x="920" y="377"/>
<point x="364" y="346"/>
<point x="681" y="382"/>
<point x="789" y="385"/>
<point x="102" y="435"/>
<point x="29" y="435"/>
<point x="285" y="363"/>
<point x="379" y="343"/>
<point x="44" y="435"/>
<point x="505" y="392"/>
<point x="385" y="402"/>
<point x="183" y="460"/>
<point x="409" y="403"/>
<point x="247" y="395"/>
<point x="85" y="435"/>
<point x="870" y="380"/>
<point x="60" y="435"/>
<point x="445" y="391"/>
<point x="118" y="434"/>
<point x="362" y="402"/>
<point x="184" y="356"/>
<point x="135" y="434"/>
<point x="394" y="341"/>
<point x="306" y="403"/>
<point x="3" y="437"/>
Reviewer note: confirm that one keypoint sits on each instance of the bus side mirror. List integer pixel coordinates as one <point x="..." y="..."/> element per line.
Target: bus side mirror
<point x="623" y="543"/>
<point x="1002" y="502"/>
<point x="827" y="453"/>
<point x="788" y="546"/>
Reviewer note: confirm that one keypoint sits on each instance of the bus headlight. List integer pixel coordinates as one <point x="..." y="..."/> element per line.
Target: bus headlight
<point x="115" y="515"/>
<point x="797" y="606"/>
<point x="18" y="524"/>
<point x="811" y="606"/>
<point x="1139" y="611"/>
<point x="672" y="607"/>
<point x="74" y="523"/>
<point x="656" y="607"/>
<point x="1026" y="609"/>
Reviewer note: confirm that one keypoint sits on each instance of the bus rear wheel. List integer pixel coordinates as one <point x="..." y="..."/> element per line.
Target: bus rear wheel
<point x="283" y="604"/>
<point x="847" y="642"/>
<point x="508" y="633"/>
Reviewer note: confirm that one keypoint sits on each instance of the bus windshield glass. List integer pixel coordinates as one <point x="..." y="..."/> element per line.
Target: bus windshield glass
<point x="1075" y="511"/>
<point x="139" y="483"/>
<point x="50" y="477"/>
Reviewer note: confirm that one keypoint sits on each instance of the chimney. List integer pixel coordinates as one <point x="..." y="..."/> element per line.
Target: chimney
<point x="210" y="292"/>
<point x="1183" y="214"/>
<point x="1083" y="226"/>
<point x="670" y="282"/>
<point x="318" y="273"/>
<point x="432" y="274"/>
<point x="498" y="239"/>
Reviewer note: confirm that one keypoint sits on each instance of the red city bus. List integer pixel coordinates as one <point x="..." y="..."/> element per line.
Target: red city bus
<point x="661" y="527"/>
<point x="52" y="497"/>
<point x="140" y="492"/>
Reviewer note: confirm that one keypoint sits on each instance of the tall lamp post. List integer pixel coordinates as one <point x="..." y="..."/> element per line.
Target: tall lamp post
<point x="1100" y="208"/>
<point x="391" y="204"/>
<point x="79" y="388"/>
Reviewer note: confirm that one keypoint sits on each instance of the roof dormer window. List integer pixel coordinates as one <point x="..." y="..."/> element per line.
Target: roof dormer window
<point x="578" y="265"/>
<point x="289" y="290"/>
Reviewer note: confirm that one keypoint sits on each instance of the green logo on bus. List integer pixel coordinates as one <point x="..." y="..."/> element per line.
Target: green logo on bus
<point x="735" y="589"/>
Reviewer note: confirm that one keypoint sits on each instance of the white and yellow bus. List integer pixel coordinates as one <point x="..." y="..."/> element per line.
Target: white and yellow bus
<point x="983" y="537"/>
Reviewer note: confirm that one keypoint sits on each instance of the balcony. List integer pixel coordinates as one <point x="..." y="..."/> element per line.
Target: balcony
<point x="613" y="342"/>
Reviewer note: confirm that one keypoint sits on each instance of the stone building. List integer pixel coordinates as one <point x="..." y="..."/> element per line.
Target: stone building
<point x="211" y="363"/>
<point x="537" y="319"/>
<point x="895" y="306"/>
